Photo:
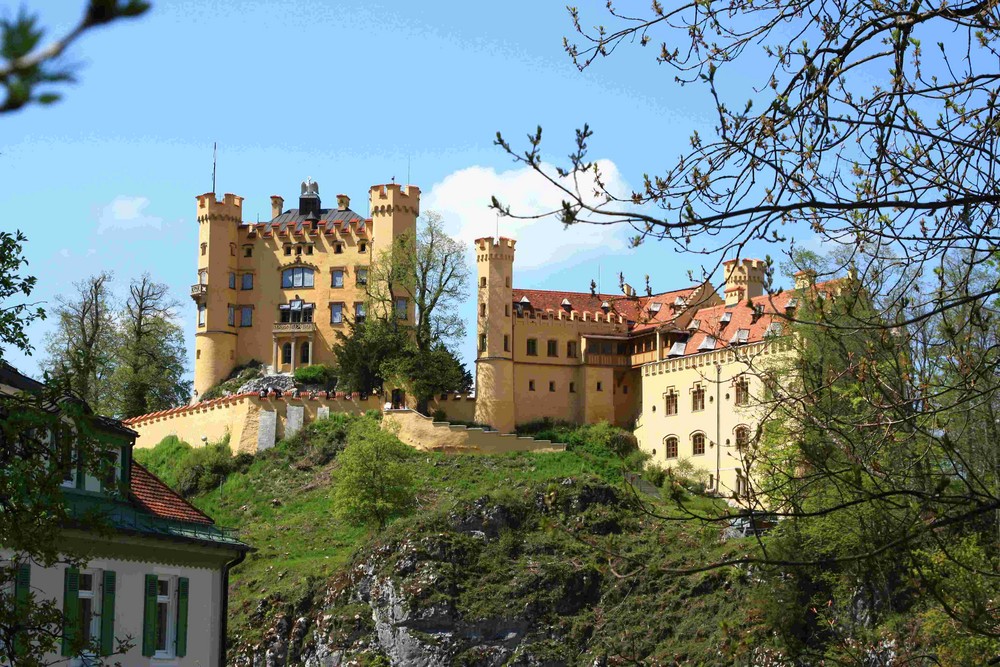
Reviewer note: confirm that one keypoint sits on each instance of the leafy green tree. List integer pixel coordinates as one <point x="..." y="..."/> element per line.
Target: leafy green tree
<point x="15" y="317"/>
<point x="83" y="351"/>
<point x="150" y="368"/>
<point x="426" y="374"/>
<point x="374" y="484"/>
<point x="363" y="351"/>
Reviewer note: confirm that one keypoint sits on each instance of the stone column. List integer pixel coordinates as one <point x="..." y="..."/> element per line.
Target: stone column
<point x="275" y="358"/>
<point x="311" y="345"/>
<point x="293" y="355"/>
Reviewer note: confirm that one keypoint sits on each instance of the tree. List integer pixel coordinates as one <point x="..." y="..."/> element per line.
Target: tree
<point x="855" y="135"/>
<point x="15" y="317"/>
<point x="373" y="482"/>
<point x="430" y="272"/>
<point x="150" y="372"/>
<point x="82" y="352"/>
<point x="29" y="66"/>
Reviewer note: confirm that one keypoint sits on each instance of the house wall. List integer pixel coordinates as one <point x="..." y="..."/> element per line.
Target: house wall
<point x="132" y="559"/>
<point x="720" y="417"/>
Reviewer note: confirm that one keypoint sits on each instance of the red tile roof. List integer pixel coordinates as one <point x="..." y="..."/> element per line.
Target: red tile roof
<point x="633" y="309"/>
<point x="742" y="317"/>
<point x="158" y="499"/>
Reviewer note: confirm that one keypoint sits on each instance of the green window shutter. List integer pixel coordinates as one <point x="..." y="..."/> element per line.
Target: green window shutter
<point x="71" y="609"/>
<point x="108" y="613"/>
<point x="182" y="617"/>
<point x="22" y="589"/>
<point x="149" y="617"/>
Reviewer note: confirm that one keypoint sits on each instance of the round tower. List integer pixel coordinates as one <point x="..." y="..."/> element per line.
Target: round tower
<point x="214" y="293"/>
<point x="495" y="339"/>
<point x="394" y="210"/>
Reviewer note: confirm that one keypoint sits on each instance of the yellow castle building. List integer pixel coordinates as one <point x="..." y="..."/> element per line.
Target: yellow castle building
<point x="682" y="367"/>
<point x="276" y="292"/>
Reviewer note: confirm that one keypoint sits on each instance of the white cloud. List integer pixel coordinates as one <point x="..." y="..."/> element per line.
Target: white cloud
<point x="126" y="212"/>
<point x="463" y="199"/>
<point x="64" y="252"/>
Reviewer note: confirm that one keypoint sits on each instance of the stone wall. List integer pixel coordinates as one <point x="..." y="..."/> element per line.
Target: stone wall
<point x="421" y="432"/>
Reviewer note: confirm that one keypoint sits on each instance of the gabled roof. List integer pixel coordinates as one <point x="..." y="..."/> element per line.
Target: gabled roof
<point x="152" y="495"/>
<point x="635" y="310"/>
<point x="329" y="219"/>
<point x="741" y="318"/>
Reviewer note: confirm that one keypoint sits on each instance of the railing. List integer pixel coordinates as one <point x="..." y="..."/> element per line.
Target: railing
<point x="294" y="327"/>
<point x="199" y="290"/>
<point x="593" y="359"/>
<point x="643" y="357"/>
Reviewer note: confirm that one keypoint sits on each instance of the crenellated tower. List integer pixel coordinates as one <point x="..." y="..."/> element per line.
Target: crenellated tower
<point x="394" y="211"/>
<point x="494" y="358"/>
<point x="744" y="279"/>
<point x="215" y="337"/>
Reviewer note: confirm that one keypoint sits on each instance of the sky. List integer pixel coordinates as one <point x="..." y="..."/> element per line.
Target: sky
<point x="349" y="93"/>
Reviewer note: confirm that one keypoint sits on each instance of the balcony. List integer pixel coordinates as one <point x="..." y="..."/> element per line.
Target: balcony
<point x="198" y="291"/>
<point x="294" y="327"/>
<point x="593" y="359"/>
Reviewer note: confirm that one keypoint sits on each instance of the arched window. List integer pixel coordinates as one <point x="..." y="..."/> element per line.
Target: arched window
<point x="698" y="444"/>
<point x="670" y="447"/>
<point x="742" y="391"/>
<point x="286" y="353"/>
<point x="670" y="398"/>
<point x="304" y="353"/>
<point x="742" y="437"/>
<point x="298" y="276"/>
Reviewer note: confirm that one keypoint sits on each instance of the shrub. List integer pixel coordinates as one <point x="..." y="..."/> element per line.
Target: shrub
<point x="164" y="459"/>
<point x="238" y="377"/>
<point x="439" y="415"/>
<point x="319" y="442"/>
<point x="317" y="374"/>
<point x="654" y="474"/>
<point x="192" y="470"/>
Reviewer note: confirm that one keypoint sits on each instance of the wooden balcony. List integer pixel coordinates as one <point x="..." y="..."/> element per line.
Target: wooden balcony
<point x="199" y="291"/>
<point x="594" y="359"/>
<point x="294" y="327"/>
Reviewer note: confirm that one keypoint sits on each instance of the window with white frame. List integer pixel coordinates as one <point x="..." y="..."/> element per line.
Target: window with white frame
<point x="336" y="313"/>
<point x="90" y="605"/>
<point x="337" y="279"/>
<point x="201" y="314"/>
<point x="246" y="316"/>
<point x="164" y="645"/>
<point x="298" y="276"/>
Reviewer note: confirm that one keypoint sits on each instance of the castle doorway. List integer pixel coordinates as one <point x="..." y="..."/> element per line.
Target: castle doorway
<point x="398" y="399"/>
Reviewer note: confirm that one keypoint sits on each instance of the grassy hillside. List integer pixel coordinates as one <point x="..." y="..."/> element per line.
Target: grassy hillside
<point x="281" y="501"/>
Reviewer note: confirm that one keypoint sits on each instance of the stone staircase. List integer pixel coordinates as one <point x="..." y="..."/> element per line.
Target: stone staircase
<point x="421" y="432"/>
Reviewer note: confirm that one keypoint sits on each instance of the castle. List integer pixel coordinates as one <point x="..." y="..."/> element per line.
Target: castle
<point x="680" y="366"/>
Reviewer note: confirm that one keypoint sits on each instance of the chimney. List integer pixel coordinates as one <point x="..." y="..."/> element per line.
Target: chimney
<point x="805" y="279"/>
<point x="343" y="202"/>
<point x="277" y="206"/>
<point x="744" y="279"/>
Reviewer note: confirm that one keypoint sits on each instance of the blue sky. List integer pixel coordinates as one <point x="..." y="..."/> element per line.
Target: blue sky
<point x="349" y="93"/>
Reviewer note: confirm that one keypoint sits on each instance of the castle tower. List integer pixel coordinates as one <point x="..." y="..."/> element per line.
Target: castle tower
<point x="215" y="337"/>
<point x="495" y="339"/>
<point x="744" y="279"/>
<point x="394" y="211"/>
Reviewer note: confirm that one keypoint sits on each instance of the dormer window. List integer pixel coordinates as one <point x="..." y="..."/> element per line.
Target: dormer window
<point x="605" y="306"/>
<point x="792" y="303"/>
<point x="680" y="302"/>
<point x="566" y="304"/>
<point x="773" y="329"/>
<point x="707" y="344"/>
<point x="740" y="337"/>
<point x="677" y="349"/>
<point x="726" y="318"/>
<point x="694" y="325"/>
<point x="654" y="307"/>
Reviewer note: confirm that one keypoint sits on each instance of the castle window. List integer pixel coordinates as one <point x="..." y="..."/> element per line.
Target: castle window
<point x="337" y="278"/>
<point x="204" y="249"/>
<point x="482" y="280"/>
<point x="482" y="310"/>
<point x="286" y="353"/>
<point x="670" y="447"/>
<point x="297" y="277"/>
<point x="336" y="313"/>
<point x="201" y="314"/>
<point x="247" y="281"/>
<point x="572" y="387"/>
<point x="671" y="402"/>
<point x="506" y="343"/>
<point x="600" y="387"/>
<point x="531" y="385"/>
<point x="698" y="398"/>
<point x="309" y="250"/>
<point x="401" y="308"/>
<point x="362" y="247"/>
<point x="232" y="280"/>
<point x="698" y="444"/>
<point x="482" y="342"/>
<point x="231" y="316"/>
<point x="298" y="250"/>
<point x="507" y="281"/>
<point x="532" y="347"/>
<point x="248" y="251"/>
<point x="338" y="248"/>
<point x="246" y="316"/>
<point x="361" y="275"/>
<point x="742" y="391"/>
<point x="359" y="312"/>
<point x="304" y="353"/>
<point x="296" y="311"/>
<point x="288" y="250"/>
<point x="742" y="437"/>
<point x="232" y="249"/>
<point x="625" y="389"/>
<point x="552" y="386"/>
<point x="571" y="349"/>
<point x="506" y="310"/>
<point x="197" y="354"/>
<point x="552" y="348"/>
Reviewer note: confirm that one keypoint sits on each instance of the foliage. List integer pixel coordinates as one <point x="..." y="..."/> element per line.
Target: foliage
<point x="237" y="377"/>
<point x="28" y="70"/>
<point x="15" y="317"/>
<point x="601" y="439"/>
<point x="191" y="470"/>
<point x="319" y="442"/>
<point x="425" y="374"/>
<point x="317" y="374"/>
<point x="373" y="482"/>
<point x="362" y="352"/>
